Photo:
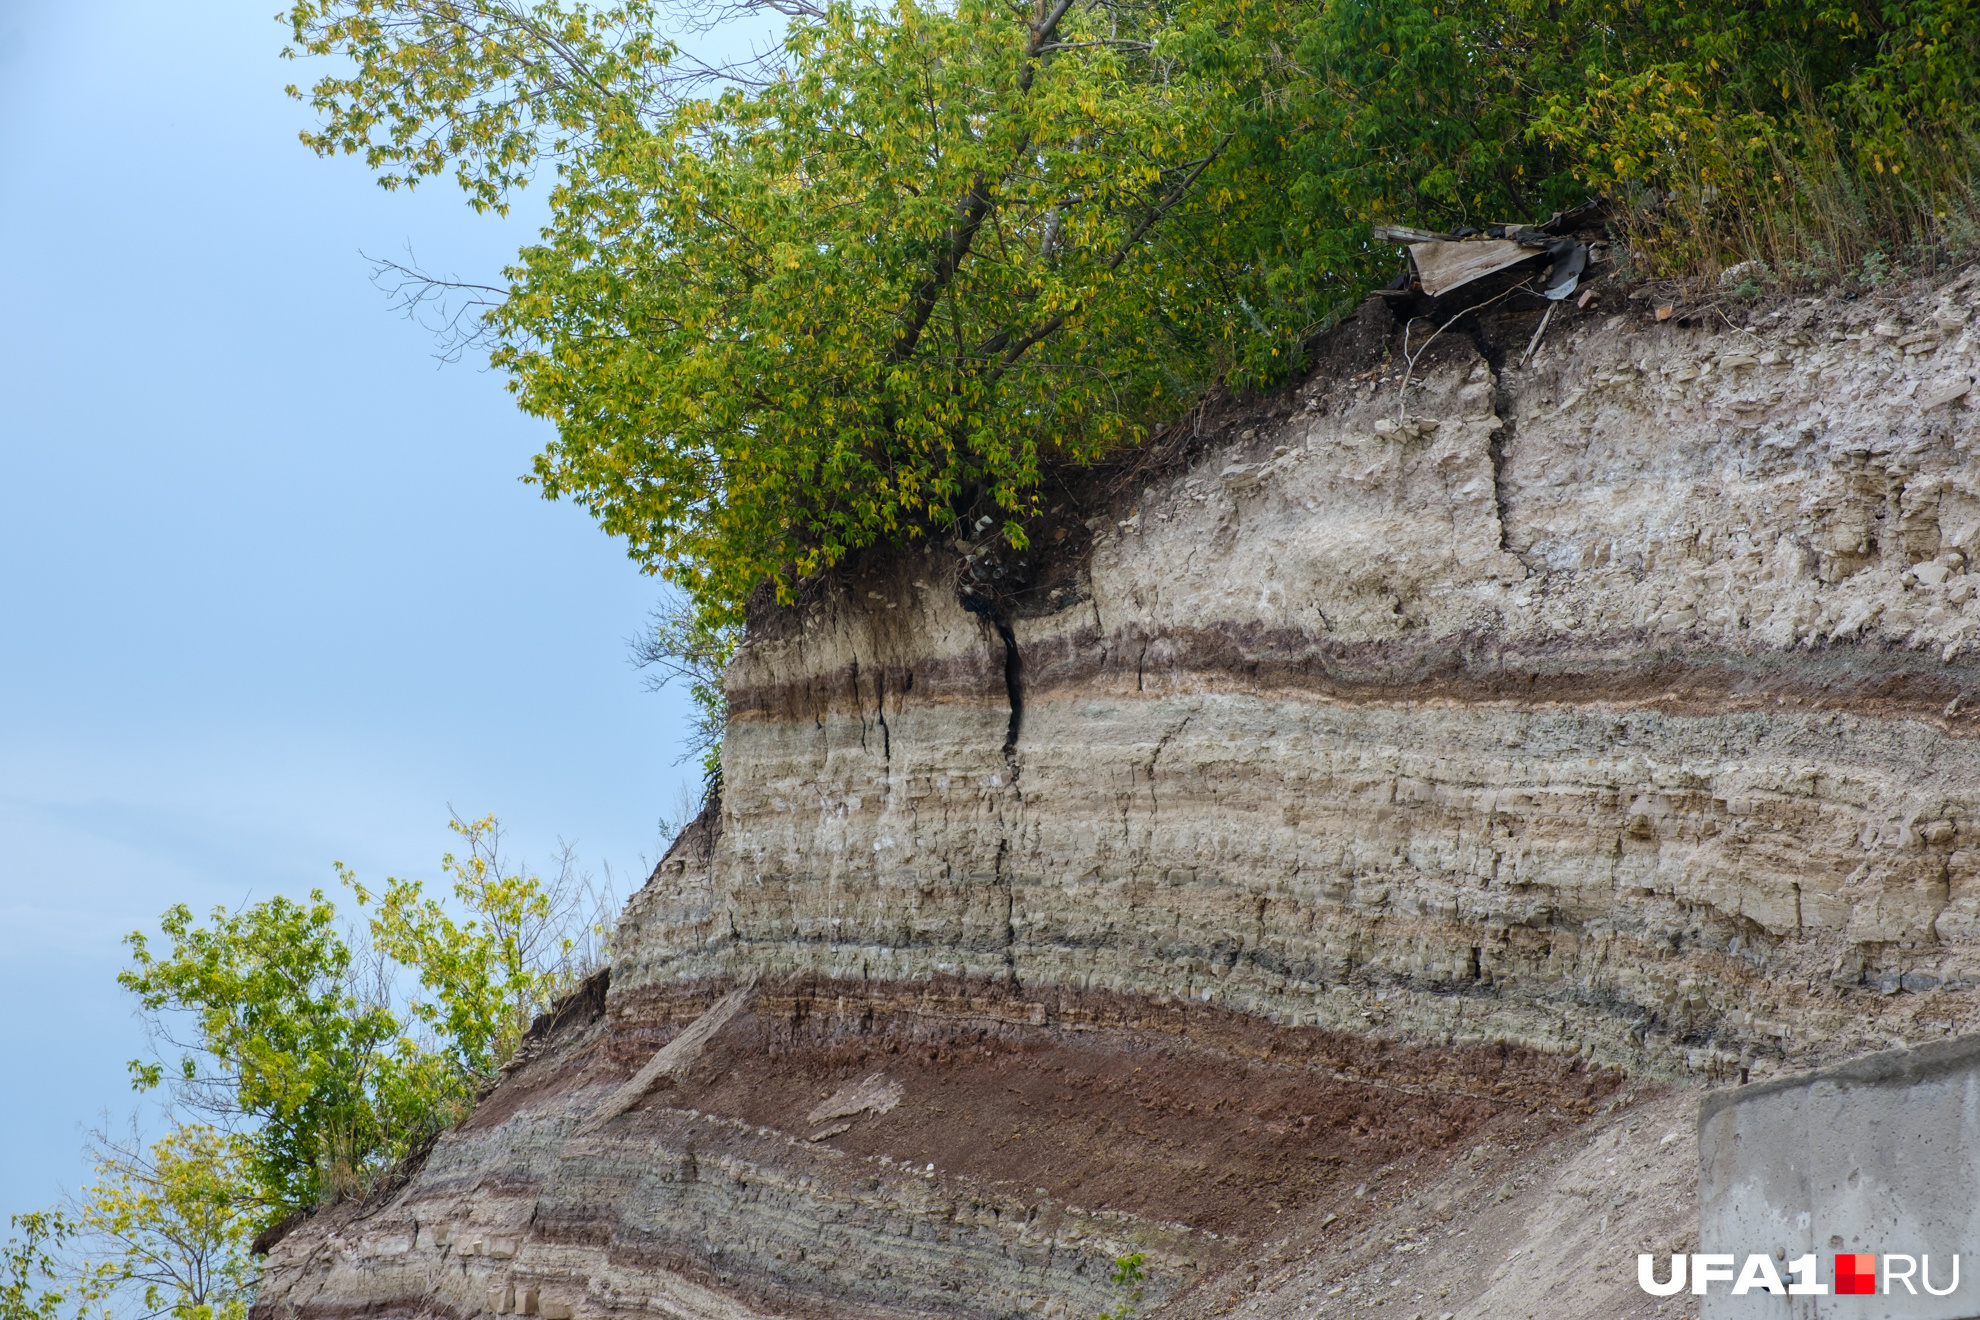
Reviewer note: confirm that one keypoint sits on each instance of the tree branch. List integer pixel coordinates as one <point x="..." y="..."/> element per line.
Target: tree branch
<point x="454" y="311"/>
<point x="1154" y="216"/>
<point x="975" y="204"/>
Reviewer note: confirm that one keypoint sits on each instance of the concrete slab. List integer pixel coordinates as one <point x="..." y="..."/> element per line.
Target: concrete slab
<point x="1880" y="1155"/>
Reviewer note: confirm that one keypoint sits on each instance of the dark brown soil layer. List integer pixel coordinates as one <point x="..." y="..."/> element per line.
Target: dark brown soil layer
<point x="1176" y="1111"/>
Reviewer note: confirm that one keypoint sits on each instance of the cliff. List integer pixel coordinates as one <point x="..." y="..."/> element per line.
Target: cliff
<point x="1404" y="782"/>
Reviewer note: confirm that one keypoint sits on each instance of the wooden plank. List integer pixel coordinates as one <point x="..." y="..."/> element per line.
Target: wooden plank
<point x="1404" y="234"/>
<point x="1445" y="266"/>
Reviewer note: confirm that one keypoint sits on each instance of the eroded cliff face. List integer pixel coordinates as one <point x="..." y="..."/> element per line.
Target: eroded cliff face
<point x="1614" y="704"/>
<point x="1367" y="780"/>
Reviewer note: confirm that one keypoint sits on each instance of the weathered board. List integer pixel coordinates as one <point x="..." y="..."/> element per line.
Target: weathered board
<point x="1445" y="266"/>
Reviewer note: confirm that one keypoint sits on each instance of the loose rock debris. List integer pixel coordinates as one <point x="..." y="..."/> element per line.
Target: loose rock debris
<point x="876" y="1094"/>
<point x="672" y="1060"/>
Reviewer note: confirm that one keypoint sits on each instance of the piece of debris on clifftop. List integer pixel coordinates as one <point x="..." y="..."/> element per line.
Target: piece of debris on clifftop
<point x="1466" y="267"/>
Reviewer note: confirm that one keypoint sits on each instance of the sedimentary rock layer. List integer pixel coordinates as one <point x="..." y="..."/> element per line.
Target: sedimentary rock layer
<point x="886" y="1150"/>
<point x="1366" y="776"/>
<point x="1619" y="703"/>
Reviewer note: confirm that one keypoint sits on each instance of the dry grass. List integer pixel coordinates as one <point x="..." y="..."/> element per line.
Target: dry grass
<point x="1798" y="211"/>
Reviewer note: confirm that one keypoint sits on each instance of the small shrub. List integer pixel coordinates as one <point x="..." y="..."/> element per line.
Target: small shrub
<point x="1129" y="1279"/>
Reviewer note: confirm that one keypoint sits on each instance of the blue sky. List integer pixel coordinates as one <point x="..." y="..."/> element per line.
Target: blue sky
<point x="270" y="592"/>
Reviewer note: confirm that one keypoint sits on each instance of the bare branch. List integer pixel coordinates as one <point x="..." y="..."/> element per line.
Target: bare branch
<point x="455" y="311"/>
<point x="679" y="646"/>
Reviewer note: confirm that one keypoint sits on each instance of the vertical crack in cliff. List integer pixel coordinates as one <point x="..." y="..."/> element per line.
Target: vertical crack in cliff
<point x="858" y="700"/>
<point x="986" y="609"/>
<point x="1013" y="673"/>
<point x="1495" y="447"/>
<point x="1155" y="802"/>
<point x="1003" y="874"/>
<point x="880" y="714"/>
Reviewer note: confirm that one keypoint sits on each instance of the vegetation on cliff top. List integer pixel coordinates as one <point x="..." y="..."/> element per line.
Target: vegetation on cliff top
<point x="872" y="284"/>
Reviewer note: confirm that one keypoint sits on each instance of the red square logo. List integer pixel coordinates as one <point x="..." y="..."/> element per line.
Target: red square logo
<point x="1856" y="1274"/>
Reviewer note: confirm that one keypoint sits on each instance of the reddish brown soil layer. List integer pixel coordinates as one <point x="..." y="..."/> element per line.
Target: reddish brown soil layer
<point x="1177" y="1111"/>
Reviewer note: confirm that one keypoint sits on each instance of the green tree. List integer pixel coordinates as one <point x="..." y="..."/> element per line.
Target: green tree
<point x="168" y="1228"/>
<point x="521" y="945"/>
<point x="30" y="1262"/>
<point x="287" y="1036"/>
<point x="297" y="1040"/>
<point x="873" y="291"/>
<point x="938" y="249"/>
